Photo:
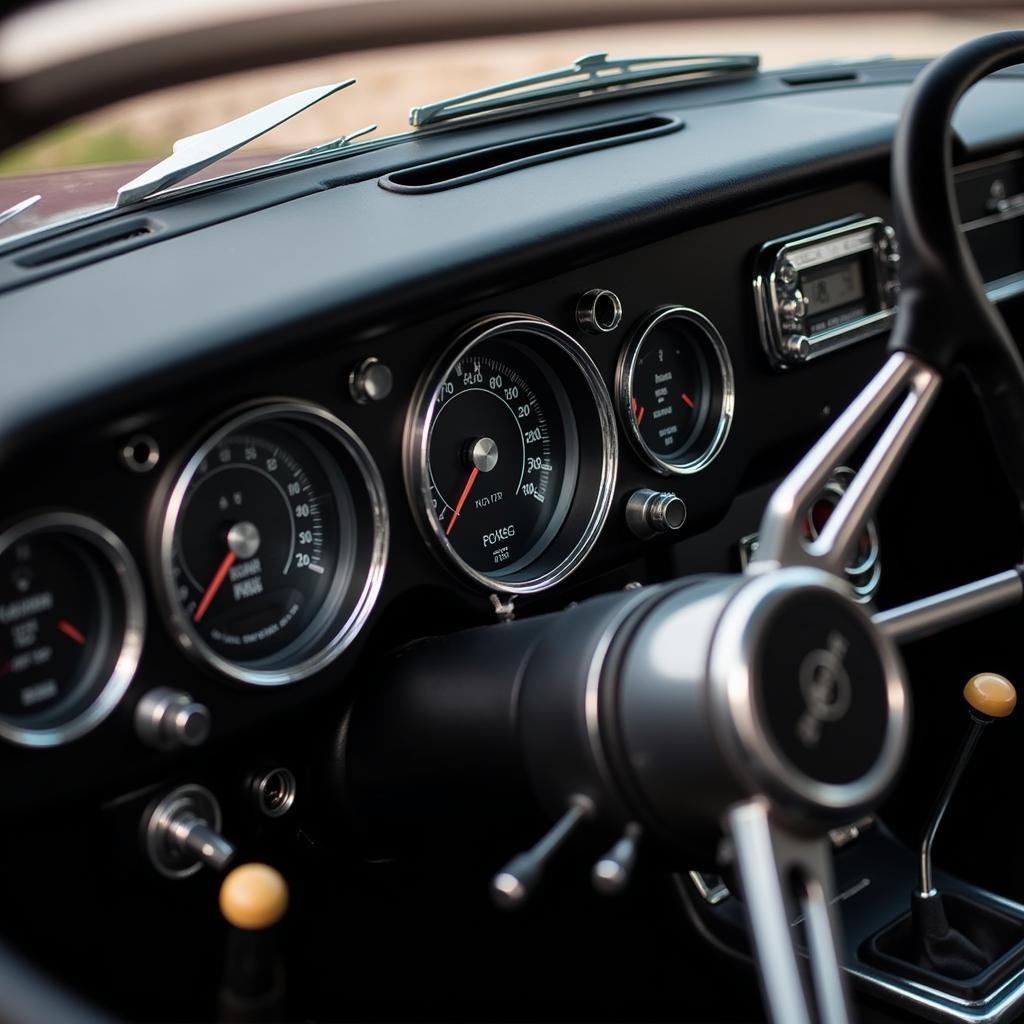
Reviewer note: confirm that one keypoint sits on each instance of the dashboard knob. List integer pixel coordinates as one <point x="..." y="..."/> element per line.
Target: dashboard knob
<point x="166" y="719"/>
<point x="181" y="833"/>
<point x="650" y="512"/>
<point x="370" y="381"/>
<point x="796" y="348"/>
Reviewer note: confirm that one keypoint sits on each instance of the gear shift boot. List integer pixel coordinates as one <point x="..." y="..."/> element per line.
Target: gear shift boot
<point x="960" y="945"/>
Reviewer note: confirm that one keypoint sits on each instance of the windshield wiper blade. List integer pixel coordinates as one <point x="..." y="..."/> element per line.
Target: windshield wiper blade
<point x="593" y="73"/>
<point x="195" y="152"/>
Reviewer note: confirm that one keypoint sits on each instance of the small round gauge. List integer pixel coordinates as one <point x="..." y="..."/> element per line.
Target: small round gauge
<point x="494" y="454"/>
<point x="676" y="393"/>
<point x="72" y="616"/>
<point x="273" y="543"/>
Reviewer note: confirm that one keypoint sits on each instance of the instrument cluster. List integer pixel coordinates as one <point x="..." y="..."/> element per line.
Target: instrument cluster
<point x="268" y="534"/>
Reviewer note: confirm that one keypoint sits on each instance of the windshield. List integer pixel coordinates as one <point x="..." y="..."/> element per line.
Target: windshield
<point x="78" y="168"/>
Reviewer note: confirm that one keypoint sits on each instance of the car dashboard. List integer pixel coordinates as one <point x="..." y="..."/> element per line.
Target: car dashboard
<point x="256" y="439"/>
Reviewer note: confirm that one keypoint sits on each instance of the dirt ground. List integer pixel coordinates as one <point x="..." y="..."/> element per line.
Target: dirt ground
<point x="390" y="82"/>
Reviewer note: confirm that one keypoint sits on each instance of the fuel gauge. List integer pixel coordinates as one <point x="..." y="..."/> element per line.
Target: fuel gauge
<point x="71" y="624"/>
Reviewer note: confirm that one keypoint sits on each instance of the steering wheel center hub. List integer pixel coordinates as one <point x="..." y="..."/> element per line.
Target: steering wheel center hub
<point x="811" y="694"/>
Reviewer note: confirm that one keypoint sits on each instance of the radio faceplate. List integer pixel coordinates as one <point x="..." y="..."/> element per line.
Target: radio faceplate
<point x="821" y="290"/>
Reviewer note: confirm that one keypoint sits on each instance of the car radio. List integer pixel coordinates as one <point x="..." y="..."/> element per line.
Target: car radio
<point x="819" y="291"/>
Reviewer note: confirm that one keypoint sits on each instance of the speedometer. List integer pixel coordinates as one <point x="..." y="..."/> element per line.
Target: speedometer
<point x="272" y="544"/>
<point x="511" y="455"/>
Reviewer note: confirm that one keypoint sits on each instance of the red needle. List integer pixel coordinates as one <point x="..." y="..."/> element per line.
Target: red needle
<point x="211" y="591"/>
<point x="687" y="399"/>
<point x="68" y="630"/>
<point x="462" y="499"/>
<point x="640" y="417"/>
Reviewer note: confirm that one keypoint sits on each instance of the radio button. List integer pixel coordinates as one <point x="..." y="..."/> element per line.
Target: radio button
<point x="787" y="273"/>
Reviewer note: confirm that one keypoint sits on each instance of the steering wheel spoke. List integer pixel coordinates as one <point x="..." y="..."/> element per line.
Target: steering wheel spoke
<point x="787" y="882"/>
<point x="903" y="389"/>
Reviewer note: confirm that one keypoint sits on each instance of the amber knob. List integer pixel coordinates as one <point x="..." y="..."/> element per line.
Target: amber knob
<point x="991" y="694"/>
<point x="254" y="897"/>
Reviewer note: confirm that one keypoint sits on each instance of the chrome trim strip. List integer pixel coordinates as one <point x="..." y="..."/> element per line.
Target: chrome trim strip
<point x="993" y="218"/>
<point x="181" y="626"/>
<point x="624" y="390"/>
<point x="416" y="456"/>
<point x="110" y="547"/>
<point x="929" y="615"/>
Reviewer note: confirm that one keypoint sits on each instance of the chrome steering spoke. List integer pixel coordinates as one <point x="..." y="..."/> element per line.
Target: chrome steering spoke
<point x="787" y="880"/>
<point x="904" y="382"/>
<point x="931" y="615"/>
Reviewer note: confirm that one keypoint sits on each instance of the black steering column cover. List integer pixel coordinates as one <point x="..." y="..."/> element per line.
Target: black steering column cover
<point x="945" y="317"/>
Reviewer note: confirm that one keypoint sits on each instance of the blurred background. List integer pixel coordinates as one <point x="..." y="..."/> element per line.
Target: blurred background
<point x="391" y="81"/>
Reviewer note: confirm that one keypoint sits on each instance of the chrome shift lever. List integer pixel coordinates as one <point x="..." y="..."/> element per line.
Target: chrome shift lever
<point x="989" y="697"/>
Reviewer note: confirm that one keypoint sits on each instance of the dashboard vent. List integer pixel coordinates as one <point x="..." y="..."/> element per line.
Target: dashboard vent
<point x="80" y="244"/>
<point x="827" y="77"/>
<point x="466" y="168"/>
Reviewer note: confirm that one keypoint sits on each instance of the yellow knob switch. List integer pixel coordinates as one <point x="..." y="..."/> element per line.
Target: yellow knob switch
<point x="991" y="694"/>
<point x="254" y="897"/>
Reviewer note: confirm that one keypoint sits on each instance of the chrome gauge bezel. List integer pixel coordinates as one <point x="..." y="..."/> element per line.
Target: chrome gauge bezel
<point x="550" y="568"/>
<point x="624" y="391"/>
<point x="108" y="546"/>
<point x="337" y="637"/>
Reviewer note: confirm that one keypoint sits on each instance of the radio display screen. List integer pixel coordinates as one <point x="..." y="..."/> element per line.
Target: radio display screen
<point x="833" y="287"/>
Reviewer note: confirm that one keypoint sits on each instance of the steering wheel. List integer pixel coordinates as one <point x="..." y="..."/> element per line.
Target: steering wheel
<point x="770" y="706"/>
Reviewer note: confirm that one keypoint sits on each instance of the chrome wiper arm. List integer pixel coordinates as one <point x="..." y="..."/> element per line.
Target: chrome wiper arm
<point x="329" y="147"/>
<point x="592" y="73"/>
<point x="195" y="152"/>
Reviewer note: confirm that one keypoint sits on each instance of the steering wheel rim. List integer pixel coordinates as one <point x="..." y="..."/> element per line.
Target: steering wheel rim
<point x="945" y="317"/>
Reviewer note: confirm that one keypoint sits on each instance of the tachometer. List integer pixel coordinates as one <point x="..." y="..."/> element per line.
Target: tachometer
<point x="273" y="543"/>
<point x="495" y="459"/>
<point x="676" y="393"/>
<point x="72" y="614"/>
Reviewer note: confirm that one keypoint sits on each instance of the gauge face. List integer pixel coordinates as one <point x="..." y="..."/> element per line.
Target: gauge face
<point x="499" y="458"/>
<point x="496" y="437"/>
<point x="676" y="391"/>
<point x="70" y="627"/>
<point x="268" y="543"/>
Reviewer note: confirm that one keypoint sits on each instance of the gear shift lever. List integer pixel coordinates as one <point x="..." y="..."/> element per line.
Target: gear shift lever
<point x="940" y="947"/>
<point x="989" y="697"/>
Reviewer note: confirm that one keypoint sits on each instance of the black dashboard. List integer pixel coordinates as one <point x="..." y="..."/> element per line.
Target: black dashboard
<point x="316" y="373"/>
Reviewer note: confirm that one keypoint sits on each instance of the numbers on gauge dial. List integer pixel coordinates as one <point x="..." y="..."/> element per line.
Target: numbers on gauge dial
<point x="256" y="543"/>
<point x="496" y="461"/>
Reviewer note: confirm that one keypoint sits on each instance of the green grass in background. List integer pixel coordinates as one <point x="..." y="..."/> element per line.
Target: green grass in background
<point x="77" y="146"/>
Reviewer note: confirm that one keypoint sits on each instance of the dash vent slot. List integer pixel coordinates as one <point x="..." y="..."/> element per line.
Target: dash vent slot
<point x="465" y="168"/>
<point x="82" y="244"/>
<point x="820" y="77"/>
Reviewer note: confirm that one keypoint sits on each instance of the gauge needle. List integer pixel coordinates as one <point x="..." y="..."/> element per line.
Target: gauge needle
<point x="68" y="630"/>
<point x="462" y="499"/>
<point x="687" y="399"/>
<point x="211" y="591"/>
<point x="639" y="415"/>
